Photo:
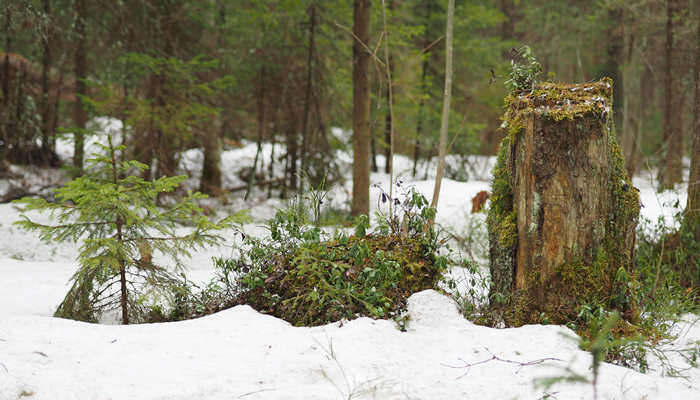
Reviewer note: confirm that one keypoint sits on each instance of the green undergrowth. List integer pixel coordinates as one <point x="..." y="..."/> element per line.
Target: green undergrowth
<point x="309" y="277"/>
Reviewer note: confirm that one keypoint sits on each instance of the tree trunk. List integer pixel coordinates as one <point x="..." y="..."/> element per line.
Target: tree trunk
<point x="4" y="112"/>
<point x="388" y="137"/>
<point x="447" y="95"/>
<point x="292" y="144"/>
<point x="261" y="132"/>
<point x="692" y="209"/>
<point x="613" y="69"/>
<point x="79" y="112"/>
<point x="673" y="110"/>
<point x="361" y="99"/>
<point x="423" y="93"/>
<point x="563" y="211"/>
<point x="211" y="165"/>
<point x="387" y="123"/>
<point x="373" y="154"/>
<point x="46" y="118"/>
<point x="307" y="92"/>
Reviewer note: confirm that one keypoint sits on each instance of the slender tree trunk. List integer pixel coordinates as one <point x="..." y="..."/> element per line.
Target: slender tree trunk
<point x="673" y="115"/>
<point x="388" y="120"/>
<point x="361" y="112"/>
<point x="373" y="155"/>
<point x="277" y="101"/>
<point x="446" y="103"/>
<point x="79" y="112"/>
<point x="307" y="92"/>
<point x="123" y="300"/>
<point x="46" y="119"/>
<point x="613" y="69"/>
<point x="211" y="170"/>
<point x="421" y="114"/>
<point x="5" y="123"/>
<point x="692" y="210"/>
<point x="261" y="133"/>
<point x="423" y="92"/>
<point x="292" y="134"/>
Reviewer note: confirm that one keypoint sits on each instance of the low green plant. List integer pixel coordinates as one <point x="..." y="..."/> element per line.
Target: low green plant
<point x="113" y="213"/>
<point x="305" y="276"/>
<point x="524" y="70"/>
<point x="598" y="347"/>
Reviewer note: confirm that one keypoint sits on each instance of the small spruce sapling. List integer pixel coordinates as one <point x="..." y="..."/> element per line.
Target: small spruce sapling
<point x="115" y="214"/>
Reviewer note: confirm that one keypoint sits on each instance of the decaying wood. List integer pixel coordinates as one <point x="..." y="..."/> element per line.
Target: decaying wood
<point x="573" y="203"/>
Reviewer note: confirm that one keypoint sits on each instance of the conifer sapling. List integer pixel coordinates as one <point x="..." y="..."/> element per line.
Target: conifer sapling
<point x="115" y="214"/>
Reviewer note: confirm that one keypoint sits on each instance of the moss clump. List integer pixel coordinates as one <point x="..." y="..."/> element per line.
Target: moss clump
<point x="501" y="223"/>
<point x="558" y="101"/>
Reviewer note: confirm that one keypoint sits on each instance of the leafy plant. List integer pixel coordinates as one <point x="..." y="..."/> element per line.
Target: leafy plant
<point x="122" y="230"/>
<point x="524" y="70"/>
<point x="598" y="349"/>
<point x="301" y="274"/>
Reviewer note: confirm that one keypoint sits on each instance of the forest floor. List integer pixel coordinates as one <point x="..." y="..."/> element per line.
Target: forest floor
<point x="242" y="354"/>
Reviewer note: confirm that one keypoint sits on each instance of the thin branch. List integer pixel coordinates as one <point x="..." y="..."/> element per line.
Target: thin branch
<point x="431" y="45"/>
<point x="496" y="358"/>
<point x="367" y="49"/>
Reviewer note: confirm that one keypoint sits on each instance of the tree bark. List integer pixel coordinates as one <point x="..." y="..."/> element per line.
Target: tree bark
<point x="673" y="110"/>
<point x="307" y="92"/>
<point x="615" y="50"/>
<point x="423" y="93"/>
<point x="46" y="117"/>
<point x="387" y="125"/>
<point x="5" y="124"/>
<point x="563" y="213"/>
<point x="447" y="95"/>
<point x="211" y="170"/>
<point x="80" y="115"/>
<point x="361" y="111"/>
<point x="692" y="209"/>
<point x="388" y="119"/>
<point x="261" y="132"/>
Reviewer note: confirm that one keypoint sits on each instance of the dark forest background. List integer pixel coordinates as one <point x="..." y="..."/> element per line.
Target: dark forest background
<point x="211" y="73"/>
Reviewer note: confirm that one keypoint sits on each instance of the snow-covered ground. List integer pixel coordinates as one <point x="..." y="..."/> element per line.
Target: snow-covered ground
<point x="242" y="354"/>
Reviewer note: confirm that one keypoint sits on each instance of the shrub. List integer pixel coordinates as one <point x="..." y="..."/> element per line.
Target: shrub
<point x="303" y="275"/>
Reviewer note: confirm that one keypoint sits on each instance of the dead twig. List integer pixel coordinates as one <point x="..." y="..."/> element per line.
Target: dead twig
<point x="494" y="357"/>
<point x="430" y="46"/>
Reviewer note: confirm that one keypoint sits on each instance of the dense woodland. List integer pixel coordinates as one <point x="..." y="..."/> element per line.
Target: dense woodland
<point x="192" y="73"/>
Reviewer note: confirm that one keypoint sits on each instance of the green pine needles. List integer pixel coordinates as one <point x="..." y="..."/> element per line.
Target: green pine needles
<point x="123" y="231"/>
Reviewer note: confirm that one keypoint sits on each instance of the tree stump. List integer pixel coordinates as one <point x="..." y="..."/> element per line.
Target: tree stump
<point x="563" y="210"/>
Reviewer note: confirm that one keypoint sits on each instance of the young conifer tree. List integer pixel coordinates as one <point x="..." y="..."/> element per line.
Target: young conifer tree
<point x="115" y="214"/>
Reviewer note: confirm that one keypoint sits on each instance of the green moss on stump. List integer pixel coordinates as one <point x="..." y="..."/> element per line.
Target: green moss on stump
<point x="593" y="277"/>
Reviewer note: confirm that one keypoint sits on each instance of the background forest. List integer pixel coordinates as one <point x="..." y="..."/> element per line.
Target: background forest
<point x="191" y="73"/>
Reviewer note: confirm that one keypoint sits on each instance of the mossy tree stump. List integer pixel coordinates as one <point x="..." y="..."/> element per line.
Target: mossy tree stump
<point x="563" y="211"/>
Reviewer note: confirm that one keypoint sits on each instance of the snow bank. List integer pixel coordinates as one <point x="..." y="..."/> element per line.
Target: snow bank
<point x="239" y="353"/>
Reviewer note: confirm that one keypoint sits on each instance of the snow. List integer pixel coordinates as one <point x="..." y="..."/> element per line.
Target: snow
<point x="242" y="354"/>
